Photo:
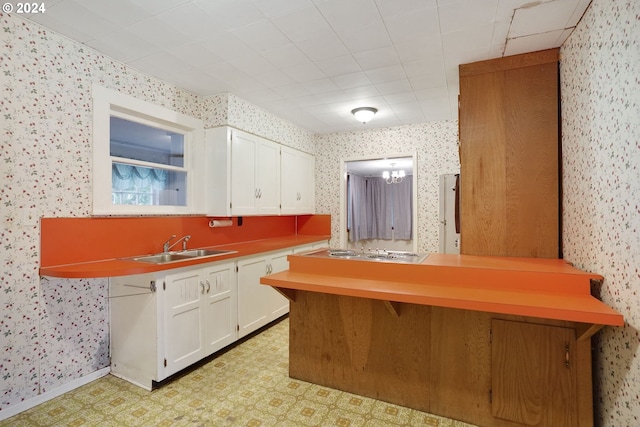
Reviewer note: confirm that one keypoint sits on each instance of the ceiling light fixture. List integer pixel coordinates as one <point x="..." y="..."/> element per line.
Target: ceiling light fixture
<point x="393" y="177"/>
<point x="364" y="114"/>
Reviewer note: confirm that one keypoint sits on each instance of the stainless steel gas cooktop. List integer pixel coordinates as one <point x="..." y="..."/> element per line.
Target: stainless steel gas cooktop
<point x="379" y="255"/>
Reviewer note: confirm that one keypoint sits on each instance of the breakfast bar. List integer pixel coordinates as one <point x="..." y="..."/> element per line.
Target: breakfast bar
<point x="493" y="341"/>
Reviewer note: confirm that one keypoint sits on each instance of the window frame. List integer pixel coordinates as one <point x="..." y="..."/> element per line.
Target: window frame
<point x="107" y="102"/>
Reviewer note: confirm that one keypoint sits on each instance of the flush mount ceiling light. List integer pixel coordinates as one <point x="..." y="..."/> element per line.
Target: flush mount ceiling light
<point x="364" y="114"/>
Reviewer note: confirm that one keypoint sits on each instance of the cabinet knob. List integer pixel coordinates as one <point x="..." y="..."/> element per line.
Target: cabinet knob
<point x="208" y="285"/>
<point x="201" y="287"/>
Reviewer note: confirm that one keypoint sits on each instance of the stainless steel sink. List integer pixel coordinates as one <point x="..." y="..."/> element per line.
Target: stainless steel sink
<point x="167" y="257"/>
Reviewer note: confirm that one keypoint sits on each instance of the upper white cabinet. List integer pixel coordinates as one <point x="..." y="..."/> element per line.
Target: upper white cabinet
<point x="249" y="175"/>
<point x="297" y="182"/>
<point x="243" y="173"/>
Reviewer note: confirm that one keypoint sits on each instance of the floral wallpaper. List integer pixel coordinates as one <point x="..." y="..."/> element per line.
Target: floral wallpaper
<point x="437" y="154"/>
<point x="55" y="331"/>
<point x="600" y="86"/>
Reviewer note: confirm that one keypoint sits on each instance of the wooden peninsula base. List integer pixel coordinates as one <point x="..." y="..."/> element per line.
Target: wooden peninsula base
<point x="441" y="347"/>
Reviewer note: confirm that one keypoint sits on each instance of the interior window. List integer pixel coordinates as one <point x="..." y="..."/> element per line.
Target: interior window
<point x="147" y="159"/>
<point x="148" y="166"/>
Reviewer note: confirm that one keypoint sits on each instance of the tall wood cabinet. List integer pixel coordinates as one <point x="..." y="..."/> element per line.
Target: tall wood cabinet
<point x="509" y="156"/>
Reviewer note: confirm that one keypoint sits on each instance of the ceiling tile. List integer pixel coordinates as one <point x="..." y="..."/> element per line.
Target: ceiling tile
<point x="377" y="58"/>
<point x="120" y="12"/>
<point x="465" y="14"/>
<point x="368" y="37"/>
<point x="273" y="8"/>
<point x="320" y="48"/>
<point x="304" y="72"/>
<point x="262" y="35"/>
<point x="397" y="86"/>
<point x="341" y="65"/>
<point x="533" y="42"/>
<point x="386" y="74"/>
<point x="541" y="18"/>
<point x="345" y="15"/>
<point x="123" y="45"/>
<point x="303" y="24"/>
<point x="155" y="31"/>
<point x="351" y="80"/>
<point x="410" y="26"/>
<point x="284" y="56"/>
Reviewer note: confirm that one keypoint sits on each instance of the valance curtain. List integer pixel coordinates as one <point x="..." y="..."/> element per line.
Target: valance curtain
<point x="378" y="210"/>
<point x="125" y="177"/>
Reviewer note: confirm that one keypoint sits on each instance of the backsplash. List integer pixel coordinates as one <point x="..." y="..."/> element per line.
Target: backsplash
<point x="600" y="82"/>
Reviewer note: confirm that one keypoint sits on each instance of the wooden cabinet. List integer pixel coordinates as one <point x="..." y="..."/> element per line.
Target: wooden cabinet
<point x="243" y="173"/>
<point x="297" y="182"/>
<point x="534" y="376"/>
<point x="163" y="322"/>
<point x="509" y="156"/>
<point x="259" y="305"/>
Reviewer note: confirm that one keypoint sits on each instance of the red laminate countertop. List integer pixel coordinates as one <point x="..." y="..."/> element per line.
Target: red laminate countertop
<point x="125" y="267"/>
<point x="535" y="287"/>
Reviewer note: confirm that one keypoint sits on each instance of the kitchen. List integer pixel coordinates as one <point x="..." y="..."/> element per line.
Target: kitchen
<point x="600" y="183"/>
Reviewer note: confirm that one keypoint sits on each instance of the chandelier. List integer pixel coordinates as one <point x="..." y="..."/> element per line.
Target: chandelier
<point x="393" y="177"/>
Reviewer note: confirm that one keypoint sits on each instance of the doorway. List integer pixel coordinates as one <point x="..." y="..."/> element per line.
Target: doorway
<point x="393" y="220"/>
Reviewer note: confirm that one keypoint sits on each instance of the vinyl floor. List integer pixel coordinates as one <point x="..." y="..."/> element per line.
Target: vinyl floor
<point x="246" y="386"/>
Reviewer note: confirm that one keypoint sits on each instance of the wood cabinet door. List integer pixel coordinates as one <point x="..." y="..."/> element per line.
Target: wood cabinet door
<point x="533" y="371"/>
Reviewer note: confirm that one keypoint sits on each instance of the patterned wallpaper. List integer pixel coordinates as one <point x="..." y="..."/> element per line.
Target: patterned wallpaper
<point x="53" y="331"/>
<point x="600" y="82"/>
<point x="437" y="152"/>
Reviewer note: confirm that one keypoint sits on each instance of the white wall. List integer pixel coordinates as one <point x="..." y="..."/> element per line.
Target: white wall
<point x="600" y="83"/>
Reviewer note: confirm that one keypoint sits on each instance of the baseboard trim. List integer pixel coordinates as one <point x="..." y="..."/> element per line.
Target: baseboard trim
<point x="44" y="397"/>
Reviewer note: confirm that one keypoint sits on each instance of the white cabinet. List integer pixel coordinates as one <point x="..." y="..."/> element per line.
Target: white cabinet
<point x="200" y="314"/>
<point x="163" y="322"/>
<point x="243" y="173"/>
<point x="297" y="182"/>
<point x="259" y="304"/>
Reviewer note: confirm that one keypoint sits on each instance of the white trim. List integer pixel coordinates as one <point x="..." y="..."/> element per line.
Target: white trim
<point x="52" y="394"/>
<point x="107" y="102"/>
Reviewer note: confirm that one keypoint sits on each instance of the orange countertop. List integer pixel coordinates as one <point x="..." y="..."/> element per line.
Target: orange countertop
<point x="535" y="287"/>
<point x="125" y="267"/>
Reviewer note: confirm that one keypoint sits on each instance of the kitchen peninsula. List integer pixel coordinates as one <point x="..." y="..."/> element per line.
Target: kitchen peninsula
<point x="493" y="341"/>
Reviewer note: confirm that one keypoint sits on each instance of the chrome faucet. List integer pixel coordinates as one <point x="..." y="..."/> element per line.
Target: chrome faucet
<point x="184" y="239"/>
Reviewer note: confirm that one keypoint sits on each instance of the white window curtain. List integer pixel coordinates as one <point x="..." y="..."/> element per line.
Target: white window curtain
<point x="378" y="210"/>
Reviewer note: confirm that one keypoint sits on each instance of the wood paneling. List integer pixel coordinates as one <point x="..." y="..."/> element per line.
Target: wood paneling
<point x="509" y="154"/>
<point x="357" y="345"/>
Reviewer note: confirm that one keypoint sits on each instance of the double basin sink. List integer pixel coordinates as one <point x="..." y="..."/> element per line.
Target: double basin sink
<point x="167" y="257"/>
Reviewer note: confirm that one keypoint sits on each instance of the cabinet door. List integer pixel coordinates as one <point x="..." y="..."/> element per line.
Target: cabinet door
<point x="268" y="177"/>
<point x="253" y="298"/>
<point x="244" y="151"/>
<point x="278" y="304"/>
<point x="183" y="343"/>
<point x="297" y="182"/>
<point x="220" y="307"/>
<point x="534" y="374"/>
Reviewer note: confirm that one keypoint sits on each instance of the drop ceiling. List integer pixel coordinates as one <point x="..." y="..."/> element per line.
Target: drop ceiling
<point x="312" y="61"/>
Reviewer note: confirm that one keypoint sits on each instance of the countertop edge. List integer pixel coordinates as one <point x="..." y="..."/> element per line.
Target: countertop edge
<point x="126" y="267"/>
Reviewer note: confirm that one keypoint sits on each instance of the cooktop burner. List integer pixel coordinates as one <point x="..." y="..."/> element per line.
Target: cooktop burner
<point x="370" y="255"/>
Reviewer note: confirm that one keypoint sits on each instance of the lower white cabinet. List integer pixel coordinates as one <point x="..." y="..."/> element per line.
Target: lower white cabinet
<point x="259" y="304"/>
<point x="162" y="323"/>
